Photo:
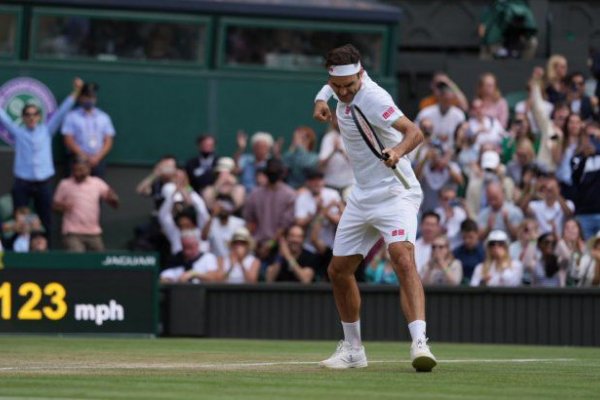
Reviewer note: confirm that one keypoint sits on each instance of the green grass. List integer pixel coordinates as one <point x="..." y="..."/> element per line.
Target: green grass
<point x="112" y="368"/>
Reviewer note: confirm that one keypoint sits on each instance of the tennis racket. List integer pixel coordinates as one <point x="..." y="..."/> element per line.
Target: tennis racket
<point x="372" y="140"/>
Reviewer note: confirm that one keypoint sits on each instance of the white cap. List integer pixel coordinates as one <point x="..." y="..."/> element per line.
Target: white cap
<point x="225" y="164"/>
<point x="497" y="236"/>
<point x="490" y="160"/>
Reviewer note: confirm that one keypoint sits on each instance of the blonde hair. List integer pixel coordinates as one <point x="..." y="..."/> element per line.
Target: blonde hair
<point x="497" y="94"/>
<point x="551" y="65"/>
<point x="503" y="264"/>
<point x="527" y="145"/>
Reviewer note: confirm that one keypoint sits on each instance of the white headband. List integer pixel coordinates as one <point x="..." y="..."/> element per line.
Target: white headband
<point x="344" y="70"/>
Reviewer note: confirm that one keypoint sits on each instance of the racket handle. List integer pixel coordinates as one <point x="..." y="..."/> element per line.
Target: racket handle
<point x="401" y="177"/>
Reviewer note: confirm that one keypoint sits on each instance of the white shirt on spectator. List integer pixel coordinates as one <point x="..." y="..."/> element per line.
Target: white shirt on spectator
<point x="220" y="235"/>
<point x="521" y="108"/>
<point x="545" y="215"/>
<point x="452" y="225"/>
<point x="422" y="254"/>
<point x="235" y="274"/>
<point x="507" y="277"/>
<point x="206" y="263"/>
<point x="338" y="171"/>
<point x="306" y="205"/>
<point x="489" y="130"/>
<point x="444" y="125"/>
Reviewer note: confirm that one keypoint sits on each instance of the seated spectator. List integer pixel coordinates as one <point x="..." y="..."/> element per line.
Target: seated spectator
<point x="467" y="153"/>
<point x="200" y="169"/>
<point x="578" y="100"/>
<point x="471" y="252"/>
<point x="571" y="247"/>
<point x="38" y="243"/>
<point x="452" y="214"/>
<point x="33" y="164"/>
<point x="499" y="214"/>
<point x="318" y="205"/>
<point x="266" y="252"/>
<point x="380" y="269"/>
<point x="18" y="230"/>
<point x="183" y="210"/>
<point x="294" y="263"/>
<point x="430" y="228"/>
<point x="193" y="265"/>
<point x="488" y="170"/>
<point x="586" y="272"/>
<point x="442" y="268"/>
<point x="156" y="185"/>
<point x="221" y="226"/>
<point x="421" y="152"/>
<point x="444" y="116"/>
<point x="486" y="129"/>
<point x="524" y="249"/>
<point x="460" y="100"/>
<point x="301" y="156"/>
<point x="78" y="199"/>
<point x="498" y="269"/>
<point x="333" y="159"/>
<point x="523" y="156"/>
<point x="225" y="184"/>
<point x="436" y="171"/>
<point x="586" y="178"/>
<point x="550" y="212"/>
<point x="549" y="270"/>
<point x="556" y="75"/>
<point x="240" y="265"/>
<point x="493" y="104"/>
<point x="563" y="151"/>
<point x="249" y="165"/>
<point x="270" y="209"/>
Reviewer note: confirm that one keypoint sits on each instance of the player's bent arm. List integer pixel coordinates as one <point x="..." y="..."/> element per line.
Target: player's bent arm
<point x="412" y="136"/>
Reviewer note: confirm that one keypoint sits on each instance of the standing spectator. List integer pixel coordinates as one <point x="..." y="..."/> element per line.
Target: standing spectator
<point x="221" y="226"/>
<point x="156" y="185"/>
<point x="444" y="116"/>
<point x="460" y="100"/>
<point x="430" y="229"/>
<point x="270" y="209"/>
<point x="498" y="269"/>
<point x="563" y="151"/>
<point x="471" y="252"/>
<point x="578" y="100"/>
<point x="200" y="169"/>
<point x="194" y="266"/>
<point x="434" y="172"/>
<point x="556" y="75"/>
<point x="226" y="184"/>
<point x="78" y="199"/>
<point x="452" y="214"/>
<point x="380" y="269"/>
<point x="499" y="214"/>
<point x="294" y="263"/>
<point x="250" y="165"/>
<point x="88" y="131"/>
<point x="333" y="159"/>
<point x="301" y="156"/>
<point x="485" y="128"/>
<point x="34" y="167"/>
<point x="553" y="209"/>
<point x="524" y="157"/>
<point x="240" y="265"/>
<point x="442" y="268"/>
<point x="525" y="108"/>
<point x="586" y="178"/>
<point x="494" y="105"/>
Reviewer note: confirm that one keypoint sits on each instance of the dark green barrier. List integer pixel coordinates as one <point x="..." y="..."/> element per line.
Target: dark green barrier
<point x="79" y="293"/>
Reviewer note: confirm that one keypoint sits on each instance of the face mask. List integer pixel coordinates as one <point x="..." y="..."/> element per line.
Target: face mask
<point x="272" y="177"/>
<point x="87" y="105"/>
<point x="206" y="154"/>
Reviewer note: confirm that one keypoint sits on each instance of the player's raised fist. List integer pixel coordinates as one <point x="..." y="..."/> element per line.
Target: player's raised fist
<point x="322" y="113"/>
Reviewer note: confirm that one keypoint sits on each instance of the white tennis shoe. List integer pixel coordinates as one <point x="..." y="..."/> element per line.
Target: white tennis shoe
<point x="345" y="356"/>
<point x="420" y="355"/>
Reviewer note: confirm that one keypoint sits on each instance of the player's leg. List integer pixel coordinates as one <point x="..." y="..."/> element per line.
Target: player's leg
<point x="412" y="299"/>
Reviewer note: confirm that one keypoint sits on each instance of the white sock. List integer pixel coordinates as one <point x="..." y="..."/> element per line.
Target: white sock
<point x="352" y="333"/>
<point x="417" y="329"/>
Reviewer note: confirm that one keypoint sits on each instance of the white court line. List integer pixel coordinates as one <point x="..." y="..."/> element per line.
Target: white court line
<point x="167" y="366"/>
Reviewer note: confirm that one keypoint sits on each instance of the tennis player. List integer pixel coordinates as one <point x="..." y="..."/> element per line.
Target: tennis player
<point x="378" y="206"/>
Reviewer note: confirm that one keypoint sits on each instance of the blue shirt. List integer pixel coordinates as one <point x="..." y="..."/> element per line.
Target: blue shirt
<point x="469" y="258"/>
<point x="248" y="169"/>
<point x="88" y="129"/>
<point x="33" y="147"/>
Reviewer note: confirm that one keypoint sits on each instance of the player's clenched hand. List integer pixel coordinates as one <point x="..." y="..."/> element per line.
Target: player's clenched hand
<point x="393" y="157"/>
<point x="322" y="113"/>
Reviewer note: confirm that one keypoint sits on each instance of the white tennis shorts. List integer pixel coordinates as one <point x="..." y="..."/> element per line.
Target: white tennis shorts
<point x="388" y="211"/>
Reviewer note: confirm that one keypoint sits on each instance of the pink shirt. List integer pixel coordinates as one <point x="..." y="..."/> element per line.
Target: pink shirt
<point x="498" y="110"/>
<point x="84" y="198"/>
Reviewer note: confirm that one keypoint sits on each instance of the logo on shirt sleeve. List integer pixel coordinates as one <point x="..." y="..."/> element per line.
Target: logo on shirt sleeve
<point x="398" y="232"/>
<point x="389" y="112"/>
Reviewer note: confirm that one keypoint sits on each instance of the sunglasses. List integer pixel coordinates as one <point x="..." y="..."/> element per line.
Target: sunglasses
<point x="547" y="242"/>
<point x="496" y="243"/>
<point x="31" y="114"/>
<point x="438" y="246"/>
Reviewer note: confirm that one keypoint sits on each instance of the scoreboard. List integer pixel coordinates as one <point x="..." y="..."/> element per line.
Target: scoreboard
<point x="79" y="293"/>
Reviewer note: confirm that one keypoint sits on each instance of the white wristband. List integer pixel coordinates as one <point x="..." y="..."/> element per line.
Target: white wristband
<point x="324" y="94"/>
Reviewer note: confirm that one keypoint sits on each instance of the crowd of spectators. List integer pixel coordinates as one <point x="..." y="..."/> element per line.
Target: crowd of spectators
<point x="510" y="192"/>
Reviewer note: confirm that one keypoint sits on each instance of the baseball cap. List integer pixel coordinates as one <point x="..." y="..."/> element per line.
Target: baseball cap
<point x="497" y="236"/>
<point x="490" y="160"/>
<point x="242" y="234"/>
<point x="225" y="164"/>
